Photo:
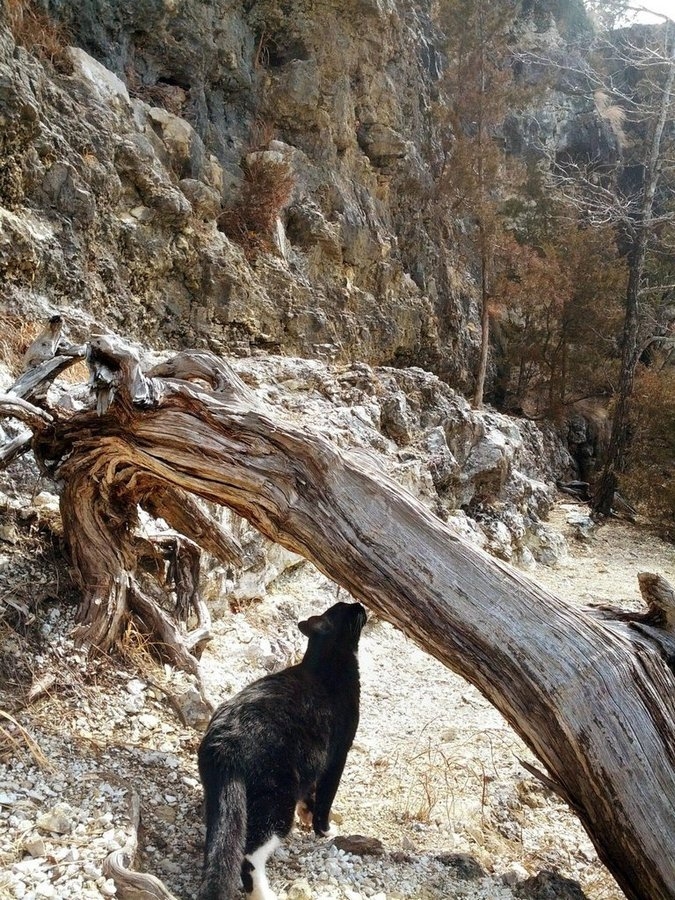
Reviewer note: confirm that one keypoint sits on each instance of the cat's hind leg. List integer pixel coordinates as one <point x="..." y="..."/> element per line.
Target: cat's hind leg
<point x="253" y="874"/>
<point x="270" y="818"/>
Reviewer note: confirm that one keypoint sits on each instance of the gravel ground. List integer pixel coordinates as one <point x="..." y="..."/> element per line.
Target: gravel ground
<point x="434" y="773"/>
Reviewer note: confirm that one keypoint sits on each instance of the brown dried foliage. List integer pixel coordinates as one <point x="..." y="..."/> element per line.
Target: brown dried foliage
<point x="16" y="335"/>
<point x="39" y="33"/>
<point x="649" y="479"/>
<point x="250" y="222"/>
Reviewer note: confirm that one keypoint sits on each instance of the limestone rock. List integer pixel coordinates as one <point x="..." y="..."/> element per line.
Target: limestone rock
<point x="58" y="820"/>
<point x="381" y="144"/>
<point x="100" y="79"/>
<point x="300" y="890"/>
<point x="204" y="200"/>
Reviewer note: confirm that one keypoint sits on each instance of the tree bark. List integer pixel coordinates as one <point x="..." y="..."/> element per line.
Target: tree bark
<point x="592" y="694"/>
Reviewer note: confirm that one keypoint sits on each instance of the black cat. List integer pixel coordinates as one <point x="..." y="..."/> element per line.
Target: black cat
<point x="281" y="742"/>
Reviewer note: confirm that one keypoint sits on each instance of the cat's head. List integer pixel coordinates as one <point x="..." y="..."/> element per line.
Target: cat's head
<point x="342" y="623"/>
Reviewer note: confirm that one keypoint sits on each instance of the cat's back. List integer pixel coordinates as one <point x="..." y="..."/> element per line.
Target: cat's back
<point x="275" y="710"/>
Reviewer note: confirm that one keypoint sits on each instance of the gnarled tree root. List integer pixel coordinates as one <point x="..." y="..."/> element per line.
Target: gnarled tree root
<point x="133" y="885"/>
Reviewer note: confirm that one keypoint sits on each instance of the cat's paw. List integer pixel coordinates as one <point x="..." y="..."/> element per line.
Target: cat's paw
<point x="329" y="832"/>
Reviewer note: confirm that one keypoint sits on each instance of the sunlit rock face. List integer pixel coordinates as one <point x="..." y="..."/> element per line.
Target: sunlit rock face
<point x="117" y="166"/>
<point x="116" y="171"/>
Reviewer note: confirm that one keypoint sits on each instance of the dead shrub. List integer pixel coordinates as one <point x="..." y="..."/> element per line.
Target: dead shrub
<point x="267" y="187"/>
<point x="261" y="135"/>
<point x="39" y="33"/>
<point x="138" y="650"/>
<point x="649" y="480"/>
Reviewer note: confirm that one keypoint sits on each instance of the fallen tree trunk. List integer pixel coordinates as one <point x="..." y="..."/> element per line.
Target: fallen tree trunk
<point x="591" y="693"/>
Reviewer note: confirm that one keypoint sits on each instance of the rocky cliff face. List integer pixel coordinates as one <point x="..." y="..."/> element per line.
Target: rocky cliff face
<point x="119" y="154"/>
<point x="114" y="174"/>
<point x="116" y="166"/>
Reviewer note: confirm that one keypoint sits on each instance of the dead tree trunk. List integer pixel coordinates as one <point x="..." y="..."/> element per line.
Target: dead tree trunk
<point x="591" y="693"/>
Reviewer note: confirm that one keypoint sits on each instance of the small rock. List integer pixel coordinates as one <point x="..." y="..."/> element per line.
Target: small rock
<point x="350" y="894"/>
<point x="57" y="820"/>
<point x="300" y="890"/>
<point x="9" y="534"/>
<point x="514" y="874"/>
<point x="463" y="864"/>
<point x="400" y="856"/>
<point x="148" y="721"/>
<point x="34" y="845"/>
<point x="408" y="845"/>
<point x="359" y="845"/>
<point x="549" y="886"/>
<point x="192" y="708"/>
<point x="582" y="524"/>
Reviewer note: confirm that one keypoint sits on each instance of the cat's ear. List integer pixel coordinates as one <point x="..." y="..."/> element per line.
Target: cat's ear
<point x="315" y="625"/>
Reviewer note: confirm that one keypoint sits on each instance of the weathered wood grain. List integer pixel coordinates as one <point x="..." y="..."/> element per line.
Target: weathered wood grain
<point x="593" y="696"/>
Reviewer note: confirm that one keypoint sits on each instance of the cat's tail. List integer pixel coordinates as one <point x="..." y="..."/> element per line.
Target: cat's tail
<point x="225" y="799"/>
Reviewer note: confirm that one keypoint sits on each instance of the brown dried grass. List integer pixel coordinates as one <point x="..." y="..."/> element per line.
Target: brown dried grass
<point x="14" y="737"/>
<point x="140" y="652"/>
<point x="39" y="33"/>
<point x="78" y="373"/>
<point x="16" y="335"/>
<point x="250" y="222"/>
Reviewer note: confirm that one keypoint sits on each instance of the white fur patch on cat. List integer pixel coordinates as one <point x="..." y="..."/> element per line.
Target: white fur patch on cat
<point x="261" y="887"/>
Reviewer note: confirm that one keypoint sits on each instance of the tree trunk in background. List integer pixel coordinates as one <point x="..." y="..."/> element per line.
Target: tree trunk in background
<point x="641" y="231"/>
<point x="592" y="694"/>
<point x="619" y="440"/>
<point x="484" y="327"/>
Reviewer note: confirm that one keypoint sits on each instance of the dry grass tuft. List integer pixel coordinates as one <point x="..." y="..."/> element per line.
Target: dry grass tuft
<point x="141" y="653"/>
<point x="433" y="779"/>
<point x="14" y="737"/>
<point x="262" y="134"/>
<point x="16" y="335"/>
<point x="78" y="373"/>
<point x="250" y="222"/>
<point x="39" y="33"/>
